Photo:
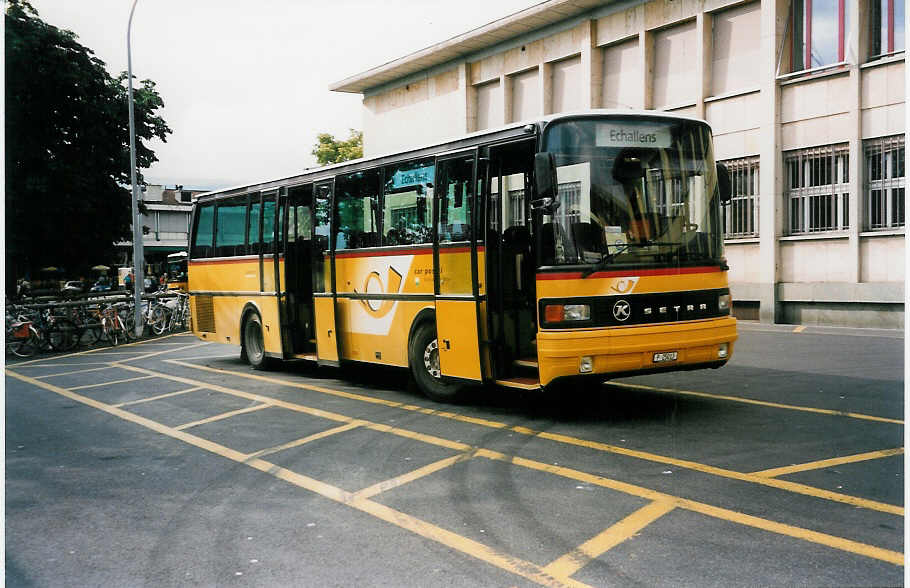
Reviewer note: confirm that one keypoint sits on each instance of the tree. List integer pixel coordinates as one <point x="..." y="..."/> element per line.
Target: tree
<point x="67" y="155"/>
<point x="330" y="150"/>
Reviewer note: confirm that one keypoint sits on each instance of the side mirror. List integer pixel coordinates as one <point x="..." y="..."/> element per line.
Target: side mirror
<point x="723" y="184"/>
<point x="545" y="175"/>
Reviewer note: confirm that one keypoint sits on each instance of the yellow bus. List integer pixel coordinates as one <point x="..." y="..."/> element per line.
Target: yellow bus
<point x="571" y="247"/>
<point x="176" y="271"/>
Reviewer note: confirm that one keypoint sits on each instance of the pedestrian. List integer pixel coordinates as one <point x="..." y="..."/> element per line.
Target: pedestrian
<point x="128" y="281"/>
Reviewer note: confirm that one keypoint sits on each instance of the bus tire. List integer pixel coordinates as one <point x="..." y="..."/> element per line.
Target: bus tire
<point x="423" y="359"/>
<point x="252" y="347"/>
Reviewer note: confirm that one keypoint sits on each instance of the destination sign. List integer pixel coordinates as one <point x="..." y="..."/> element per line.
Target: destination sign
<point x="632" y="135"/>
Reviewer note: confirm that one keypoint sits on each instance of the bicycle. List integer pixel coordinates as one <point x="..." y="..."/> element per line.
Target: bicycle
<point x="112" y="325"/>
<point x="22" y="339"/>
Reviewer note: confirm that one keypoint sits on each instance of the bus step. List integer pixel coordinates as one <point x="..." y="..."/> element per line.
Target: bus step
<point x="527" y="362"/>
<point x="521" y="383"/>
<point x="306" y="356"/>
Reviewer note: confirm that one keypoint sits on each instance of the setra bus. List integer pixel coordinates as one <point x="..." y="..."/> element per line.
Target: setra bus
<point x="575" y="246"/>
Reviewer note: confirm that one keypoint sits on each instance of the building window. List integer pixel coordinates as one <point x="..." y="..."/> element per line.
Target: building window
<point x="741" y="215"/>
<point x="569" y="195"/>
<point x="818" y="194"/>
<point x="886" y="27"/>
<point x="818" y="33"/>
<point x="516" y="208"/>
<point x="883" y="197"/>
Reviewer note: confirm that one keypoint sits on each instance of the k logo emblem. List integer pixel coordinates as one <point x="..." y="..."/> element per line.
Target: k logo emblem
<point x="622" y="310"/>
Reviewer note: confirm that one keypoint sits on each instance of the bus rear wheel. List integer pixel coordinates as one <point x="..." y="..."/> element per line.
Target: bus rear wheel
<point x="423" y="358"/>
<point x="253" y="343"/>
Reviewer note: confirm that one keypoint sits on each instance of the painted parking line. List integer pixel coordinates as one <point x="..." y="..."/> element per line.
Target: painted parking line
<point x="402" y="520"/>
<point x="52" y="363"/>
<point x="305" y="440"/>
<point x="647" y="493"/>
<point x="159" y="397"/>
<point x="220" y="417"/>
<point x="111" y="383"/>
<point x="786" y="485"/>
<point x="825" y="463"/>
<point x="96" y="369"/>
<point x="476" y="549"/>
<point x="825" y="411"/>
<point x="409" y="477"/>
<point x="579" y="557"/>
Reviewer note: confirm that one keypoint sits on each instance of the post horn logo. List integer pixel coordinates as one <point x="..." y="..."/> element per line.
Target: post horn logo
<point x="372" y="284"/>
<point x="622" y="310"/>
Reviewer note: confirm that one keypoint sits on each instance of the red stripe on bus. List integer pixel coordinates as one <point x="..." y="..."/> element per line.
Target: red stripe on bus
<point x="669" y="271"/>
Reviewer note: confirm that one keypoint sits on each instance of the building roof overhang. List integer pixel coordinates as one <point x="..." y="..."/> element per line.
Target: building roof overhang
<point x="498" y="31"/>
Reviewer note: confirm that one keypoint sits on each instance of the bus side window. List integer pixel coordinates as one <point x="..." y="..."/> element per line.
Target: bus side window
<point x="204" y="231"/>
<point x="407" y="213"/>
<point x="357" y="204"/>
<point x="254" y="225"/>
<point x="455" y="193"/>
<point x="229" y="227"/>
<point x="268" y="224"/>
<point x="304" y="223"/>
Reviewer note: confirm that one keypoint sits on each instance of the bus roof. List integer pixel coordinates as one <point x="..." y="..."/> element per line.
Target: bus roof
<point x="510" y="130"/>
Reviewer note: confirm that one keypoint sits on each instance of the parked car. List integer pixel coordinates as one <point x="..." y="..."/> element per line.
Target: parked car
<point x="102" y="285"/>
<point x="73" y="287"/>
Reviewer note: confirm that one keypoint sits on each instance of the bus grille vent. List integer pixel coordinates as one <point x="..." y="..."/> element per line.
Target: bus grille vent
<point x="205" y="314"/>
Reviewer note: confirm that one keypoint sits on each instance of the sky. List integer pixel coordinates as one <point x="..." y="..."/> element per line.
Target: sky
<point x="245" y="84"/>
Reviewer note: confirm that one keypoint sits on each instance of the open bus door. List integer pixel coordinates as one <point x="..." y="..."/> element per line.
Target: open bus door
<point x="455" y="253"/>
<point x="327" y="345"/>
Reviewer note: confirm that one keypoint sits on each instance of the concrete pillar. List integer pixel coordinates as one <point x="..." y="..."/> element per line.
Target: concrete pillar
<point x="467" y="97"/>
<point x="505" y="86"/>
<point x="545" y="87"/>
<point x="771" y="199"/>
<point x="591" y="67"/>
<point x="855" y="167"/>
<point x="703" y="59"/>
<point x="646" y="58"/>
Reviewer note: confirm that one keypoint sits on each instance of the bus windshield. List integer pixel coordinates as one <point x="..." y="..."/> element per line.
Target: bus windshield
<point x="631" y="191"/>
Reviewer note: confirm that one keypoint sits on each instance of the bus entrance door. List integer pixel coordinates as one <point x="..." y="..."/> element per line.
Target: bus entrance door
<point x="455" y="253"/>
<point x="324" y="276"/>
<point x="509" y="264"/>
<point x="299" y="268"/>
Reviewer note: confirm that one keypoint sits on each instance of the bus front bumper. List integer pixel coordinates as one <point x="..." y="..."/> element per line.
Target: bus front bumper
<point x="636" y="349"/>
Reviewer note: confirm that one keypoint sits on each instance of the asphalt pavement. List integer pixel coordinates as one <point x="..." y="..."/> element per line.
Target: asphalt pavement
<point x="170" y="462"/>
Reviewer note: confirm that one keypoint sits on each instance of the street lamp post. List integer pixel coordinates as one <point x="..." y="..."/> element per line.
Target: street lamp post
<point x="138" y="253"/>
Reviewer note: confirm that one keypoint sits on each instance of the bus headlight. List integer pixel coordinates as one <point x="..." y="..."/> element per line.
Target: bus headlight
<point x="561" y="313"/>
<point x="723" y="303"/>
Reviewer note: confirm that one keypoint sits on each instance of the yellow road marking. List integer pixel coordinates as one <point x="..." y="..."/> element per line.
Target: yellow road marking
<point x="112" y="382"/>
<point x="579" y="557"/>
<point x="403" y="479"/>
<point x="799" y="329"/>
<point x="222" y="416"/>
<point x="404" y="521"/>
<point x="647" y="493"/>
<point x="825" y="411"/>
<point x="894" y="557"/>
<point x="305" y="440"/>
<point x="824" y="463"/>
<point x="52" y="363"/>
<point x="97" y="369"/>
<point x="159" y="397"/>
<point x="598" y="446"/>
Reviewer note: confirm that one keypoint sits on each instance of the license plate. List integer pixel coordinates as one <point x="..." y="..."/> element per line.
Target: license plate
<point x="666" y="356"/>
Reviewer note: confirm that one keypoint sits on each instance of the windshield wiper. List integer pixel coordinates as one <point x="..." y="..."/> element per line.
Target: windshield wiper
<point x="608" y="257"/>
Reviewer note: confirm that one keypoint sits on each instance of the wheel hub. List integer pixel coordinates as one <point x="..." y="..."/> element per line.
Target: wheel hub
<point x="431" y="359"/>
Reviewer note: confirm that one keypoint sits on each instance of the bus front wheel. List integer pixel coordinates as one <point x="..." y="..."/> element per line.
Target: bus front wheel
<point x="423" y="358"/>
<point x="253" y="346"/>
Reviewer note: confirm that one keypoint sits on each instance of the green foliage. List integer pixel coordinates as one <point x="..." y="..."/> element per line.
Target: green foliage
<point x="67" y="156"/>
<point x="330" y="150"/>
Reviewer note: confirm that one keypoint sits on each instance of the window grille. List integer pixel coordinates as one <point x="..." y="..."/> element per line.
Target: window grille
<point x="818" y="195"/>
<point x="883" y="202"/>
<point x="569" y="195"/>
<point x="516" y="208"/>
<point x="741" y="214"/>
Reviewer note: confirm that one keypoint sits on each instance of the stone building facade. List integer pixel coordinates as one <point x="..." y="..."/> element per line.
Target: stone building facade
<point x="806" y="99"/>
